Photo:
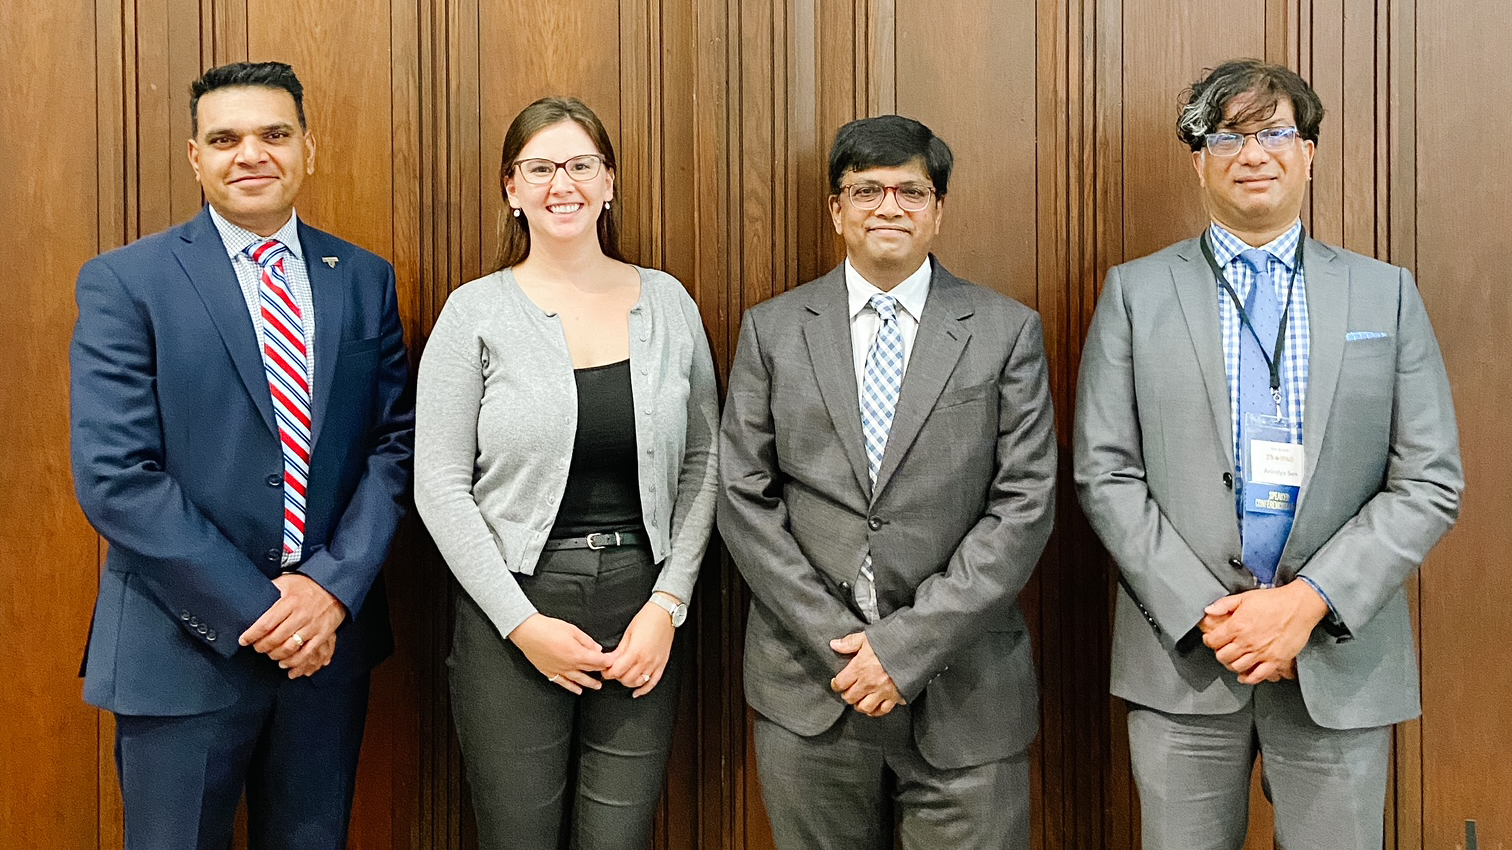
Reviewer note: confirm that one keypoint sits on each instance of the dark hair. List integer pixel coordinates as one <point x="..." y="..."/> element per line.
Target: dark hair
<point x="271" y="75"/>
<point x="887" y="141"/>
<point x="1204" y="102"/>
<point x="514" y="235"/>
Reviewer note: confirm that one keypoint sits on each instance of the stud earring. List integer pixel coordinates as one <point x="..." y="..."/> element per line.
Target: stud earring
<point x="516" y="212"/>
<point x="606" y="206"/>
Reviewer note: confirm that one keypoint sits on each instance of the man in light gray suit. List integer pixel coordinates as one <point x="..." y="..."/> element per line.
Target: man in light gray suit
<point x="888" y="465"/>
<point x="1265" y="442"/>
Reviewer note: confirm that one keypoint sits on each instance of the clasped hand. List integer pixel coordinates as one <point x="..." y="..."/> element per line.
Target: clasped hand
<point x="863" y="683"/>
<point x="568" y="657"/>
<point x="305" y="609"/>
<point x="1259" y="633"/>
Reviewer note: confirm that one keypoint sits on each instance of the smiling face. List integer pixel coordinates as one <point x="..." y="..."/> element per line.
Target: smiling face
<point x="1256" y="191"/>
<point x="886" y="244"/>
<point x="563" y="208"/>
<point x="250" y="155"/>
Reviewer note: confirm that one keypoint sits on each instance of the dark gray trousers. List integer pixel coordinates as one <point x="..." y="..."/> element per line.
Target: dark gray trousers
<point x="1328" y="786"/>
<point x="846" y="788"/>
<point x="550" y="770"/>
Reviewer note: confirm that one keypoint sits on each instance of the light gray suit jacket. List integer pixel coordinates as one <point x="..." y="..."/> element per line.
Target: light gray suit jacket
<point x="961" y="510"/>
<point x="1154" y="472"/>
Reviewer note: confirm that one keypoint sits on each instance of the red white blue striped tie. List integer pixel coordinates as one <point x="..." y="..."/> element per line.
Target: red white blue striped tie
<point x="285" y="358"/>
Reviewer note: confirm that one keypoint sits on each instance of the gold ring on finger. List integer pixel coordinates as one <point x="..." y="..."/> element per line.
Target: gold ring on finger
<point x="298" y="641"/>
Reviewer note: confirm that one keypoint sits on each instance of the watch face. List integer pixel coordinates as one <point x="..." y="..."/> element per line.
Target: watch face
<point x="679" y="615"/>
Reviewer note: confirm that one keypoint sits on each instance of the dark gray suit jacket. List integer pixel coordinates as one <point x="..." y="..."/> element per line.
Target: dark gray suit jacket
<point x="1154" y="471"/>
<point x="961" y="510"/>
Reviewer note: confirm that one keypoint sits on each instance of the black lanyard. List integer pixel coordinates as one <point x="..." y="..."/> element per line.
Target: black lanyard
<point x="1273" y="361"/>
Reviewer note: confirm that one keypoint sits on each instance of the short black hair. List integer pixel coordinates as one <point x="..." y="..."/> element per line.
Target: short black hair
<point x="271" y="75"/>
<point x="1204" y="102"/>
<point x="887" y="141"/>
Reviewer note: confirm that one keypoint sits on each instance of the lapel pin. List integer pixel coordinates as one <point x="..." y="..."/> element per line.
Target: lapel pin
<point x="330" y="261"/>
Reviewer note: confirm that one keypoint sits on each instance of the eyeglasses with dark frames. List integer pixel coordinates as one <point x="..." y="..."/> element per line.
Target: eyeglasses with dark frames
<point x="579" y="168"/>
<point x="910" y="197"/>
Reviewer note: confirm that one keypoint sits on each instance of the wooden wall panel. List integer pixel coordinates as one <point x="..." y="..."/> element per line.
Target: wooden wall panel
<point x="1464" y="237"/>
<point x="49" y="740"/>
<point x="1060" y="113"/>
<point x="987" y="64"/>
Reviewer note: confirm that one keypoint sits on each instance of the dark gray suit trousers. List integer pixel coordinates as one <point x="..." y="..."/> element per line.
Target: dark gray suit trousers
<point x="845" y="788"/>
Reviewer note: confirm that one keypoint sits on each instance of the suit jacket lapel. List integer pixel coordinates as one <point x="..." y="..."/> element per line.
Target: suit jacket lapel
<point x="1327" y="316"/>
<point x="936" y="349"/>
<point x="827" y="333"/>
<point x="1198" y="294"/>
<point x="328" y="290"/>
<point x="202" y="256"/>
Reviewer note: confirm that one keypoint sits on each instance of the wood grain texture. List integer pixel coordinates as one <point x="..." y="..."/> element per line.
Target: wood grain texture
<point x="49" y="740"/>
<point x="1464" y="237"/>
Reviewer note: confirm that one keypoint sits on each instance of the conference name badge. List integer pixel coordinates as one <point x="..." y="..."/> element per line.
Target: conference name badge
<point x="1273" y="463"/>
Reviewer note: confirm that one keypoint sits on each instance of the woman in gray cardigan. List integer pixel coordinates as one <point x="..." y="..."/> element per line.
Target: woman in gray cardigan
<point x="565" y="465"/>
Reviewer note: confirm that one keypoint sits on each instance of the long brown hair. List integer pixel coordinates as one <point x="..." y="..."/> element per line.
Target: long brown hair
<point x="514" y="233"/>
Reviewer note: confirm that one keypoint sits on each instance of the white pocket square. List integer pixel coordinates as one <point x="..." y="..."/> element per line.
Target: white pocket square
<point x="1356" y="336"/>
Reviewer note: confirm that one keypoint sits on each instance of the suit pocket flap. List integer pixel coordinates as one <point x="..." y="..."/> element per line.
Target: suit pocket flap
<point x="964" y="395"/>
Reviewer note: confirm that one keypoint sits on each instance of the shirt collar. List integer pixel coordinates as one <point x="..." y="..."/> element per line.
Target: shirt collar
<point x="237" y="238"/>
<point x="911" y="293"/>
<point x="1227" y="246"/>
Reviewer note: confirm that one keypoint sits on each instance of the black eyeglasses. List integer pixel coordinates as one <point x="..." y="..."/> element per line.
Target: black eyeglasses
<point x="911" y="197"/>
<point x="537" y="170"/>
<point x="1273" y="139"/>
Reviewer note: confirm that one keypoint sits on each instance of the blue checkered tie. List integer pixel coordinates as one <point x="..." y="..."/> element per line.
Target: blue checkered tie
<point x="879" y="399"/>
<point x="1263" y="535"/>
<point x="884" y="377"/>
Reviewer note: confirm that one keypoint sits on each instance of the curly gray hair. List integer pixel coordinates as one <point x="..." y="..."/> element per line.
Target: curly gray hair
<point x="1204" y="102"/>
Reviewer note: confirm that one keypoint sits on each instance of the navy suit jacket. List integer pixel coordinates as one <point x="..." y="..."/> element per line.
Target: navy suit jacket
<point x="177" y="464"/>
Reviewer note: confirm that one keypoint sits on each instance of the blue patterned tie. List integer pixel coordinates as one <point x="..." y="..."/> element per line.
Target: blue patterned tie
<point x="884" y="377"/>
<point x="879" y="400"/>
<point x="1264" y="534"/>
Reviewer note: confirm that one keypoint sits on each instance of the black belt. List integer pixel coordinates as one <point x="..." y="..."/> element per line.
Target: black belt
<point x="597" y="540"/>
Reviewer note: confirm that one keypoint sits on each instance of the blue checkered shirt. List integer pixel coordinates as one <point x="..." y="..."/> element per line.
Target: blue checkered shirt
<point x="1283" y="251"/>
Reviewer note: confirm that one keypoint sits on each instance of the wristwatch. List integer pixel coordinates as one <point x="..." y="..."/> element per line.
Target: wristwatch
<point x="678" y="610"/>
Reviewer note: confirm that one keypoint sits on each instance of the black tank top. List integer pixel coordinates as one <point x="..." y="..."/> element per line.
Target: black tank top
<point x="603" y="483"/>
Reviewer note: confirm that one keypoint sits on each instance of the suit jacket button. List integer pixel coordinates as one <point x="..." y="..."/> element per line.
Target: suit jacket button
<point x="193" y="621"/>
<point x="874" y="523"/>
<point x="274" y="480"/>
<point x="1236" y="563"/>
<point x="845" y="585"/>
<point x="1228" y="480"/>
<point x="273" y="555"/>
<point x="202" y="629"/>
<point x="184" y="615"/>
<point x="210" y="635"/>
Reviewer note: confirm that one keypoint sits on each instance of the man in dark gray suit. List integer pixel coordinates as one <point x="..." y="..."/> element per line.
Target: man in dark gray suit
<point x="888" y="467"/>
<point x="1265" y="442"/>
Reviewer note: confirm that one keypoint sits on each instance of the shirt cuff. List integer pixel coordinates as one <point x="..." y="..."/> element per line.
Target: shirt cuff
<point x="1331" y="624"/>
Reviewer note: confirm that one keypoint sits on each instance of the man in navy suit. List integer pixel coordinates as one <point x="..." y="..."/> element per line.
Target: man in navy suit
<point x="242" y="429"/>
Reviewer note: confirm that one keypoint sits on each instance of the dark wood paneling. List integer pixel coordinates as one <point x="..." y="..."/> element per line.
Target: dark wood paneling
<point x="1464" y="237"/>
<point x="987" y="63"/>
<point x="49" y="740"/>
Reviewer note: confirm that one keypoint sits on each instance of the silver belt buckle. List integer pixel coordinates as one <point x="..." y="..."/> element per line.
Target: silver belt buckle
<point x="604" y="534"/>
